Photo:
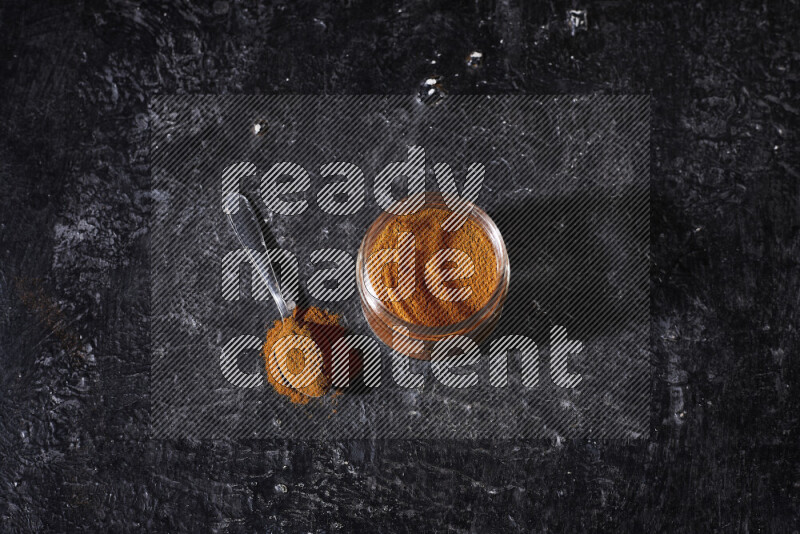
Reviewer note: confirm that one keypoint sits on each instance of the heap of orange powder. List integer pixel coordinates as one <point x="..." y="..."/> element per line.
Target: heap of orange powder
<point x="423" y="307"/>
<point x="324" y="329"/>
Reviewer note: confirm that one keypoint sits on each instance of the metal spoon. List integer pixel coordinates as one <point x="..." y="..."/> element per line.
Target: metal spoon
<point x="246" y="227"/>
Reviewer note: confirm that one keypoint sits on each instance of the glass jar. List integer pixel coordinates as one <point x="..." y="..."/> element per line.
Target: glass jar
<point x="417" y="340"/>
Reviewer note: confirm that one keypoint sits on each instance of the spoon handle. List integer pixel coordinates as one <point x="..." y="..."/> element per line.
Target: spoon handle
<point x="246" y="227"/>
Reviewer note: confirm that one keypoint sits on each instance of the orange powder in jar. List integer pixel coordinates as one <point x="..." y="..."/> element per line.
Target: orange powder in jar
<point x="423" y="307"/>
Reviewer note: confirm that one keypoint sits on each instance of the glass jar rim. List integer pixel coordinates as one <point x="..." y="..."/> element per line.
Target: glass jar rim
<point x="434" y="199"/>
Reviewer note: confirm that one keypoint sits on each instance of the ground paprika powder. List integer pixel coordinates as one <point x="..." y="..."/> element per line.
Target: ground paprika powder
<point x="423" y="307"/>
<point x="324" y="329"/>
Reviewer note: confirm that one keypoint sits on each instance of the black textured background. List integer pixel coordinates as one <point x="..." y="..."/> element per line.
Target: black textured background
<point x="74" y="200"/>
